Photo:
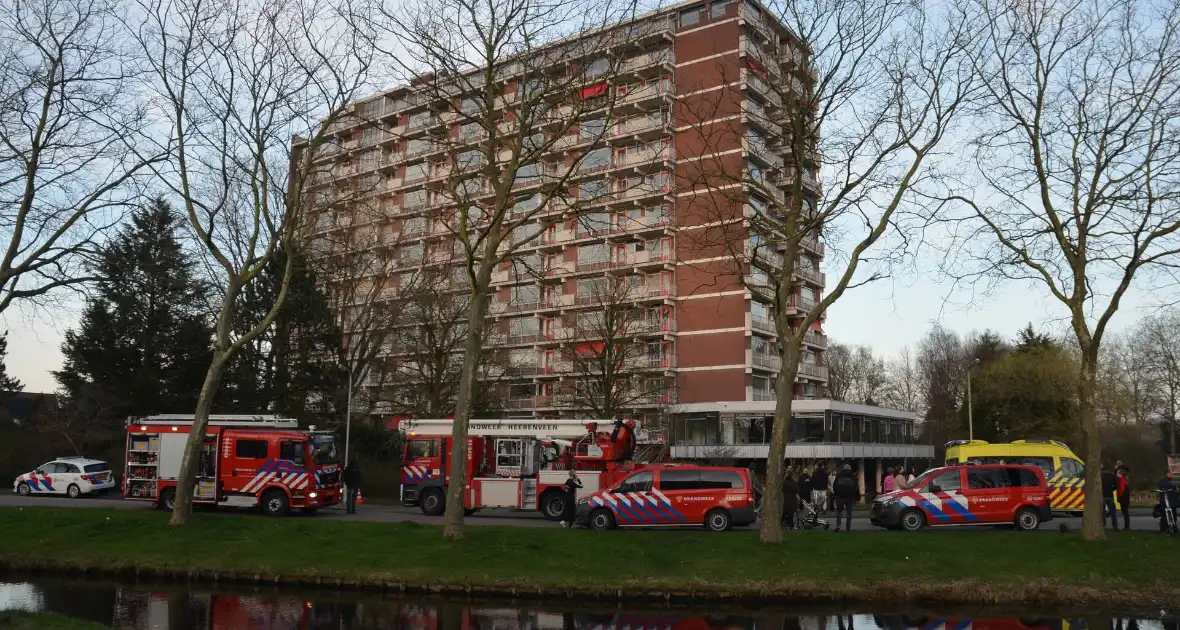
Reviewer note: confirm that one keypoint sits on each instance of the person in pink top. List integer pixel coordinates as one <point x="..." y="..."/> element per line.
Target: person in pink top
<point x="889" y="483"/>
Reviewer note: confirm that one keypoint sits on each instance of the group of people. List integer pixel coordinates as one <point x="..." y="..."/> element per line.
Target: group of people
<point x="817" y="488"/>
<point x="896" y="479"/>
<point x="1117" y="484"/>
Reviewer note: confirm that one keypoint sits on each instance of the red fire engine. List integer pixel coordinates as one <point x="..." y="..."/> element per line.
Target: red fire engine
<point x="246" y="461"/>
<point x="515" y="464"/>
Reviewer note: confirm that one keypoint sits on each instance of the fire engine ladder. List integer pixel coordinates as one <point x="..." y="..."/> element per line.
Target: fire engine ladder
<point x="530" y="455"/>
<point x="528" y="493"/>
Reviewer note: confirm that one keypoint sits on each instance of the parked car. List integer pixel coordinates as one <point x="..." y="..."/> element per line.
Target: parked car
<point x="71" y="476"/>
<point x="667" y="495"/>
<point x="967" y="495"/>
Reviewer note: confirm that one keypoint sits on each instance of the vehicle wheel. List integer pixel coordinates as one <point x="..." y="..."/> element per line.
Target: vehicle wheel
<point x="718" y="521"/>
<point x="23" y="489"/>
<point x="433" y="503"/>
<point x="167" y="499"/>
<point x="912" y="520"/>
<point x="602" y="520"/>
<point x="275" y="503"/>
<point x="553" y="505"/>
<point x="73" y="491"/>
<point x="1027" y="520"/>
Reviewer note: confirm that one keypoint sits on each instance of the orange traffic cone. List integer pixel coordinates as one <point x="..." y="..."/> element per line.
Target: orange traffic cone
<point x="359" y="499"/>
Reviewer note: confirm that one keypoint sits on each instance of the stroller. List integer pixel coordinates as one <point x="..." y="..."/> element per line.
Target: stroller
<point x="806" y="518"/>
<point x="1167" y="511"/>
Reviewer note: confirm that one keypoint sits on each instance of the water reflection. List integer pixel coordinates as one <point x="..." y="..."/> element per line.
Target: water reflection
<point x="141" y="608"/>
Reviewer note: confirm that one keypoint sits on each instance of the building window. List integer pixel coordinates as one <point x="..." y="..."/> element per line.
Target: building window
<point x="691" y="17"/>
<point x="718" y="8"/>
<point x="597" y="68"/>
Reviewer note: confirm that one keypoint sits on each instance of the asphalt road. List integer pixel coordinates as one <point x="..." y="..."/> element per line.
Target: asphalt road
<point x="379" y="513"/>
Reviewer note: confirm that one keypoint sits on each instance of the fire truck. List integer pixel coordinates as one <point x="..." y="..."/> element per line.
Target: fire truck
<point x="515" y="464"/>
<point x="246" y="461"/>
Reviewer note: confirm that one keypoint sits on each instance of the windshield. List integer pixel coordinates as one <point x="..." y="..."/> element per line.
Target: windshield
<point x="323" y="450"/>
<point x="923" y="477"/>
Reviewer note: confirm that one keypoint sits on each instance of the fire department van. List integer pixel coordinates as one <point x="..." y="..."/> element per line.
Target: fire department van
<point x="246" y="461"/>
<point x="1063" y="469"/>
<point x="666" y="495"/>
<point x="967" y="495"/>
<point x="515" y="464"/>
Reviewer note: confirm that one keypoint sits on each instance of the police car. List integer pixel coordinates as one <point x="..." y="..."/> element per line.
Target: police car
<point x="71" y="476"/>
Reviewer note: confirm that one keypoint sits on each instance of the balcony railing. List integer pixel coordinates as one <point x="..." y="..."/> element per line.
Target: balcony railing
<point x="815" y="339"/>
<point x="764" y="395"/>
<point x="763" y="324"/>
<point x="812" y="370"/>
<point x="766" y="361"/>
<point x="810" y="274"/>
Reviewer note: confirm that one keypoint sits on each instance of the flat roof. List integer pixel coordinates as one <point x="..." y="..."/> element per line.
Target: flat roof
<point x="797" y="406"/>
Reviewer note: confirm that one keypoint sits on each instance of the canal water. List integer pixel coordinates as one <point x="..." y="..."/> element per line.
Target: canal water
<point x="139" y="607"/>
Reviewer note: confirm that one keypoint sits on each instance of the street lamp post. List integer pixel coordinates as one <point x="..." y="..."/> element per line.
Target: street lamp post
<point x="970" y="420"/>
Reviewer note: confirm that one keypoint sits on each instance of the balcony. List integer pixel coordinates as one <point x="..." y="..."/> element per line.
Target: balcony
<point x="812" y="370"/>
<point x="810" y="274"/>
<point x="593" y="265"/>
<point x="763" y="324"/>
<point x="764" y="395"/>
<point x="655" y="363"/>
<point x="524" y="370"/>
<point x="646" y="92"/>
<point x="810" y="181"/>
<point x="766" y="361"/>
<point x="639" y="62"/>
<point x="815" y="339"/>
<point x="813" y="244"/>
<point x="802" y="302"/>
<point x="748" y="16"/>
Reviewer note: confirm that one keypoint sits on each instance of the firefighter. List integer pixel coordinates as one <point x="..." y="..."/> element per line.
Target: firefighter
<point x="571" y="487"/>
<point x="352" y="483"/>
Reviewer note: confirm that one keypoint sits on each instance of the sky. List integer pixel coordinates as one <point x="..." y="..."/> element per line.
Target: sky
<point x="888" y="315"/>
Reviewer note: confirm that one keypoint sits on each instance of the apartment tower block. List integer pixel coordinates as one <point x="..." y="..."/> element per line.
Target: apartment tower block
<point x="705" y="339"/>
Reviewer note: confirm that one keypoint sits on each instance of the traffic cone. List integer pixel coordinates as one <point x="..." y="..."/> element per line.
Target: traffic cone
<point x="359" y="499"/>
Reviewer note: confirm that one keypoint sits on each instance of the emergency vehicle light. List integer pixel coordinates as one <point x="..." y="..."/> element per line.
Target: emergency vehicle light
<point x="143" y="428"/>
<point x="173" y="428"/>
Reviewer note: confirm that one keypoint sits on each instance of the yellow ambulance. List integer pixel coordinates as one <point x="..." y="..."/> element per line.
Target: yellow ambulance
<point x="1063" y="469"/>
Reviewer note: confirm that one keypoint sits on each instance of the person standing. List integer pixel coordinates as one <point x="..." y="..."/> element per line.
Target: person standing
<point x="819" y="488"/>
<point x="572" y="485"/>
<point x="804" y="486"/>
<point x="832" y="490"/>
<point x="790" y="501"/>
<point x="846" y="494"/>
<point x="352" y="485"/>
<point x="1167" y="490"/>
<point x="1124" y="492"/>
<point x="888" y="482"/>
<point x="1110" y="485"/>
<point x="899" y="480"/>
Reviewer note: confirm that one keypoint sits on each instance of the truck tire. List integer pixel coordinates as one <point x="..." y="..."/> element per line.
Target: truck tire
<point x="601" y="520"/>
<point x="167" y="500"/>
<point x="433" y="502"/>
<point x="1027" y="519"/>
<point x="275" y="503"/>
<point x="554" y="504"/>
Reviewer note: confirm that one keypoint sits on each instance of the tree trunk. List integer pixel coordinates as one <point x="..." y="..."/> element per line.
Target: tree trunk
<point x="770" y="530"/>
<point x="1093" y="523"/>
<point x="187" y="479"/>
<point x="457" y="487"/>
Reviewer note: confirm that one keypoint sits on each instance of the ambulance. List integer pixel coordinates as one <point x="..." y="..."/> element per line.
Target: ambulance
<point x="250" y="461"/>
<point x="1063" y="469"/>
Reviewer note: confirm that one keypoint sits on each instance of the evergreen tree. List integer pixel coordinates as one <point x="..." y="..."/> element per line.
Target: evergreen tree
<point x="290" y="369"/>
<point x="143" y="344"/>
<point x="7" y="383"/>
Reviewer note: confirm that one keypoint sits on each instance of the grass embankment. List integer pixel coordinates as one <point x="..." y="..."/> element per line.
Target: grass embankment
<point x="949" y="566"/>
<point x="18" y="620"/>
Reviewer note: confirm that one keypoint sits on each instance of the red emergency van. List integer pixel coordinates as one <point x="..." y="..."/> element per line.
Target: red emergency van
<point x="664" y="495"/>
<point x="967" y="495"/>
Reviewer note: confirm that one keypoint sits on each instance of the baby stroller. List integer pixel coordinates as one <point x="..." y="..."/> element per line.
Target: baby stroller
<point x="1167" y="511"/>
<point x="806" y="518"/>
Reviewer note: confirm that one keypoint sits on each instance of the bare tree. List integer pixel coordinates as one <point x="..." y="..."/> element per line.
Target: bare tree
<point x="524" y="101"/>
<point x="854" y="374"/>
<point x="904" y="387"/>
<point x="885" y="81"/>
<point x="71" y="117"/>
<point x="1159" y="339"/>
<point x="615" y="352"/>
<point x="1129" y="385"/>
<point x="942" y="362"/>
<point x="236" y="82"/>
<point x="1074" y="182"/>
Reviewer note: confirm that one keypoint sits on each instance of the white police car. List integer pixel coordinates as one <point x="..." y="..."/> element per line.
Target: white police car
<point x="71" y="476"/>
